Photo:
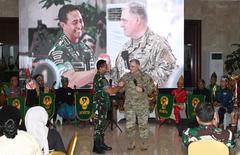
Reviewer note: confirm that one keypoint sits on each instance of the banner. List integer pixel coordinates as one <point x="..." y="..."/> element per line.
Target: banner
<point x="84" y="105"/>
<point x="193" y="101"/>
<point x="47" y="100"/>
<point x="164" y="105"/>
<point x="19" y="103"/>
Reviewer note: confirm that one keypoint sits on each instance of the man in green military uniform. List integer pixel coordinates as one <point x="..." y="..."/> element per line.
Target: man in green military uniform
<point x="73" y="58"/>
<point x="207" y="129"/>
<point x="137" y="86"/>
<point x="102" y="102"/>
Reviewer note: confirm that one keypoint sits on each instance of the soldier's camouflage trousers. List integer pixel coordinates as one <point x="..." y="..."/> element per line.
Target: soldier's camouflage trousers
<point x="142" y="116"/>
<point x="100" y="121"/>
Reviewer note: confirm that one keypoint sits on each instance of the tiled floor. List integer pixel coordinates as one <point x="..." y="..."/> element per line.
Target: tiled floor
<point x="164" y="140"/>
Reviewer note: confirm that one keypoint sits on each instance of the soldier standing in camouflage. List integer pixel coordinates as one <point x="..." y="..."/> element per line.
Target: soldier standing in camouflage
<point x="137" y="86"/>
<point x="152" y="50"/>
<point x="73" y="58"/>
<point x="102" y="102"/>
<point x="207" y="129"/>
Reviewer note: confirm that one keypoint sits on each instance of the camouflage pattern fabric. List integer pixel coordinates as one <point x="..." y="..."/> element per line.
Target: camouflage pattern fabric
<point x="67" y="55"/>
<point x="207" y="132"/>
<point x="101" y="101"/>
<point x="153" y="52"/>
<point x="137" y="103"/>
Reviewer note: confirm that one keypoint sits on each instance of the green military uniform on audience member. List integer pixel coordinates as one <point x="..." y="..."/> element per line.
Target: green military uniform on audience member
<point x="137" y="87"/>
<point x="102" y="104"/>
<point x="207" y="129"/>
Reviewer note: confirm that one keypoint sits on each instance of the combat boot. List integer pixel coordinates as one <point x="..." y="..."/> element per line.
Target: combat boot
<point x="144" y="144"/>
<point x="97" y="146"/>
<point x="104" y="146"/>
<point x="131" y="144"/>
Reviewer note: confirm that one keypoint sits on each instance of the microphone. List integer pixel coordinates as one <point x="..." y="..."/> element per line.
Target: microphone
<point x="110" y="82"/>
<point x="135" y="82"/>
<point x="125" y="57"/>
<point x="54" y="83"/>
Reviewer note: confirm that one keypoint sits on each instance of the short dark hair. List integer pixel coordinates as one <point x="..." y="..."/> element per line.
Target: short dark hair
<point x="100" y="63"/>
<point x="9" y="121"/>
<point x="62" y="14"/>
<point x="136" y="61"/>
<point x="205" y="111"/>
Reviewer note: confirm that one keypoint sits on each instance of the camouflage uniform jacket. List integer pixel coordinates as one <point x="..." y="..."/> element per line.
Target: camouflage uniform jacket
<point x="154" y="54"/>
<point x="100" y="96"/>
<point x="132" y="97"/>
<point x="207" y="132"/>
<point x="68" y="56"/>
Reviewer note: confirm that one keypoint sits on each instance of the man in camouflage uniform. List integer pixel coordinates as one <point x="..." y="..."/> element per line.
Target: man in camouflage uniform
<point x="207" y="120"/>
<point x="102" y="102"/>
<point x="137" y="86"/>
<point x="73" y="58"/>
<point x="152" y="50"/>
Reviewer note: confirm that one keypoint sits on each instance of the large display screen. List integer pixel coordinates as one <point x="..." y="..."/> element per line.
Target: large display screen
<point x="43" y="45"/>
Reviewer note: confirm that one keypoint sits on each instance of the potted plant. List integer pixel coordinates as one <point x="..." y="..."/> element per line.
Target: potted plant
<point x="232" y="62"/>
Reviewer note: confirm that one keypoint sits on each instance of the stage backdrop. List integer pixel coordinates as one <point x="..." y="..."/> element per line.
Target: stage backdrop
<point x="39" y="30"/>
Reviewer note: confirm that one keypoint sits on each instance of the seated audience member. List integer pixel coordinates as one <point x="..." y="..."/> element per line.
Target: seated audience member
<point x="202" y="90"/>
<point x="13" y="90"/>
<point x="40" y="87"/>
<point x="14" y="141"/>
<point x="49" y="139"/>
<point x="65" y="101"/>
<point x="31" y="96"/>
<point x="207" y="129"/>
<point x="180" y="97"/>
<point x="223" y="100"/>
<point x="213" y="86"/>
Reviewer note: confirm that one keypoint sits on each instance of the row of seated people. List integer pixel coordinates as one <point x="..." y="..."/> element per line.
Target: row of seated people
<point x="210" y="114"/>
<point x="222" y="97"/>
<point x="30" y="135"/>
<point x="64" y="103"/>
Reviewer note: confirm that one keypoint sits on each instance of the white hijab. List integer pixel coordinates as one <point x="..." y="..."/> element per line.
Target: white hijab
<point x="35" y="121"/>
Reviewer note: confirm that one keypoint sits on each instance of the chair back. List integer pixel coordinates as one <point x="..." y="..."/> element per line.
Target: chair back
<point x="72" y="144"/>
<point x="57" y="153"/>
<point x="207" y="147"/>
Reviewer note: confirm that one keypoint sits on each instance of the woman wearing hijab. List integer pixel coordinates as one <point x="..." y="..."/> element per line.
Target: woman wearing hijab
<point x="36" y="124"/>
<point x="12" y="140"/>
